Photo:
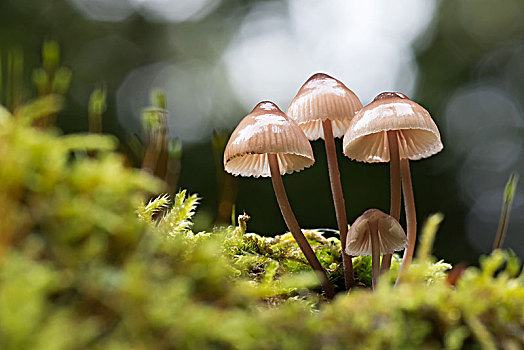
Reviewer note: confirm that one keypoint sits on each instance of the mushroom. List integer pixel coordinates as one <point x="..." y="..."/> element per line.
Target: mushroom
<point x="392" y="123"/>
<point x="375" y="233"/>
<point x="323" y="108"/>
<point x="268" y="143"/>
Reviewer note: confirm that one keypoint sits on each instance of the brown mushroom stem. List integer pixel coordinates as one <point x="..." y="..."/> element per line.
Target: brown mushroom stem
<point x="394" y="177"/>
<point x="338" y="200"/>
<point x="411" y="216"/>
<point x="294" y="228"/>
<point x="375" y="252"/>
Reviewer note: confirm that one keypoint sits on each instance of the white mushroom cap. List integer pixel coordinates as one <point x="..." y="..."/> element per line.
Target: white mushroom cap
<point x="366" y="138"/>
<point x="323" y="97"/>
<point x="391" y="235"/>
<point x="267" y="130"/>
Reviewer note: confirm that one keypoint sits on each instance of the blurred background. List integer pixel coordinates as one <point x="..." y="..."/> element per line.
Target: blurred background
<point x="462" y="60"/>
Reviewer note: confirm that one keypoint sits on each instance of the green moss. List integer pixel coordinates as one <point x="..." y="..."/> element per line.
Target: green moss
<point x="85" y="263"/>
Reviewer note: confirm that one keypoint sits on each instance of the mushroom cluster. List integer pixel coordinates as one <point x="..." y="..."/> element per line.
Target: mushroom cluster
<point x="392" y="128"/>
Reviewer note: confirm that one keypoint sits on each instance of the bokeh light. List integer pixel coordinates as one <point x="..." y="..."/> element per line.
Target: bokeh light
<point x="197" y="102"/>
<point x="176" y="10"/>
<point x="462" y="60"/>
<point x="102" y="10"/>
<point x="153" y="10"/>
<point x="368" y="45"/>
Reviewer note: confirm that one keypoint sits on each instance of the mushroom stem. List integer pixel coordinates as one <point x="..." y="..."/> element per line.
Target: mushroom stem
<point x="375" y="253"/>
<point x="394" y="177"/>
<point x="294" y="228"/>
<point x="411" y="216"/>
<point x="338" y="200"/>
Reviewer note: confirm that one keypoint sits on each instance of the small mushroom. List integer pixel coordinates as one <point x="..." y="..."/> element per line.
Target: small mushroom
<point x="375" y="233"/>
<point x="268" y="143"/>
<point x="393" y="122"/>
<point x="323" y="108"/>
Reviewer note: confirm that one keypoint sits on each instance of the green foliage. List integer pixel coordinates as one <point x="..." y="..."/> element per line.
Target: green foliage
<point x="161" y="155"/>
<point x="39" y="108"/>
<point x="11" y="77"/>
<point x="97" y="106"/>
<point x="158" y="99"/>
<point x="51" y="77"/>
<point x="97" y="101"/>
<point x="4" y="114"/>
<point x="155" y="206"/>
<point x="175" y="149"/>
<point x="83" y="264"/>
<point x="178" y="219"/>
<point x="509" y="194"/>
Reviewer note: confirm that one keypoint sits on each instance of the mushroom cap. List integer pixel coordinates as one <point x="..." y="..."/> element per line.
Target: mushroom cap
<point x="323" y="97"/>
<point x="390" y="234"/>
<point x="267" y="130"/>
<point x="366" y="138"/>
